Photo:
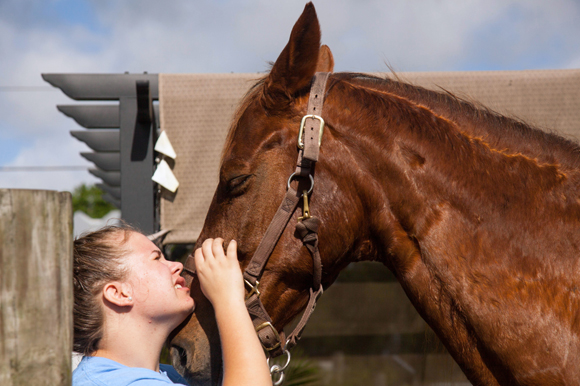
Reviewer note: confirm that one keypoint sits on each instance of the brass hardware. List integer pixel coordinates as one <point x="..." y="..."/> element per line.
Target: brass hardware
<point x="276" y="335"/>
<point x="253" y="289"/>
<point x="305" y="209"/>
<point x="300" y="141"/>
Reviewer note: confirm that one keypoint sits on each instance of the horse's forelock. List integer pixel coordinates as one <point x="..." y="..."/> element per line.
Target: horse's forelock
<point x="253" y="94"/>
<point x="275" y="102"/>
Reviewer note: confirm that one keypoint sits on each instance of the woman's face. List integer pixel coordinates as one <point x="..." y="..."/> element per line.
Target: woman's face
<point x="159" y="292"/>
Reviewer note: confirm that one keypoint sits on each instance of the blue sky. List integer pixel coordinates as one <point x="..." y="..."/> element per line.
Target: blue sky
<point x="105" y="36"/>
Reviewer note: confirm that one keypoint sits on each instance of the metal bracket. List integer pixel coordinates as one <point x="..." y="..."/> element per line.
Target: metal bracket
<point x="144" y="102"/>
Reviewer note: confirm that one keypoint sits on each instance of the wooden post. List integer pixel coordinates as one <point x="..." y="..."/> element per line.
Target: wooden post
<point x="35" y="287"/>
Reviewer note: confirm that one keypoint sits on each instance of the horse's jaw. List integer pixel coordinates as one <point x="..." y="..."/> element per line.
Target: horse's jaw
<point x="194" y="366"/>
<point x="195" y="346"/>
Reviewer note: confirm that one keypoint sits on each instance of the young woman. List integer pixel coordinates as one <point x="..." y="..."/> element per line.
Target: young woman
<point x="128" y="298"/>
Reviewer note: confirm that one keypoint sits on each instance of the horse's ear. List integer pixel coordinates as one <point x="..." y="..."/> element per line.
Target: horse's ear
<point x="298" y="62"/>
<point x="325" y="60"/>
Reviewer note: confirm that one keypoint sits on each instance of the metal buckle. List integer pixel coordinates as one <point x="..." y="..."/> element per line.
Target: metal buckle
<point x="277" y="336"/>
<point x="300" y="141"/>
<point x="253" y="289"/>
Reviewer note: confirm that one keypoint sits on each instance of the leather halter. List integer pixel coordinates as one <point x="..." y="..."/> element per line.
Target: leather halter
<point x="311" y="129"/>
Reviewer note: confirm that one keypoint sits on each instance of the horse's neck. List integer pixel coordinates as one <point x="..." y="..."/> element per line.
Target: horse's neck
<point x="466" y="228"/>
<point x="431" y="181"/>
<point x="439" y="203"/>
<point x="409" y="150"/>
<point x="488" y="126"/>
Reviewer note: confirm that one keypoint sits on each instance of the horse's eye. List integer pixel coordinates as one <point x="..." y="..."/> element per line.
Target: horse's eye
<point x="238" y="185"/>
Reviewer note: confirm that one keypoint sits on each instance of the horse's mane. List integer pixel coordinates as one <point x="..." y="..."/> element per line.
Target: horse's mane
<point x="552" y="147"/>
<point x="549" y="147"/>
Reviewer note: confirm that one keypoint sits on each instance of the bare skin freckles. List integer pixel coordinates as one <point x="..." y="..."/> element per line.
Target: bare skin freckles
<point x="143" y="309"/>
<point x="152" y="299"/>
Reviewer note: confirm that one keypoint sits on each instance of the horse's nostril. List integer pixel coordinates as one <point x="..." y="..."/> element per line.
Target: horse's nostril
<point x="181" y="355"/>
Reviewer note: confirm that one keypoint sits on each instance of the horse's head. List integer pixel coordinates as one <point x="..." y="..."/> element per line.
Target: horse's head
<point x="259" y="156"/>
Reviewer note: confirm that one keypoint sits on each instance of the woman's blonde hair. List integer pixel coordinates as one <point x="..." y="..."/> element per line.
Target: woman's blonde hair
<point x="97" y="260"/>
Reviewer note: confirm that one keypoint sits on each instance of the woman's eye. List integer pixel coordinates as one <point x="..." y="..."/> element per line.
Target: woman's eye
<point x="238" y="185"/>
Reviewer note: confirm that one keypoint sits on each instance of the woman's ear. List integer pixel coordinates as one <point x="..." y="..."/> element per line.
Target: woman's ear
<point x="118" y="293"/>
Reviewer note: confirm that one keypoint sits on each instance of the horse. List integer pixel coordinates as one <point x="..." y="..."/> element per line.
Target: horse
<point x="477" y="216"/>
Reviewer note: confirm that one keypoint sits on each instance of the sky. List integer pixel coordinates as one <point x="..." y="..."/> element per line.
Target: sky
<point x="223" y="36"/>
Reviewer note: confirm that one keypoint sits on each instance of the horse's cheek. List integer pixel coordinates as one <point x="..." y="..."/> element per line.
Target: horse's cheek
<point x="195" y="347"/>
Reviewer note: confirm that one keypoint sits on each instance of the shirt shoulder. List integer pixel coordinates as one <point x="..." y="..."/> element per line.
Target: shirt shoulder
<point x="96" y="371"/>
<point x="172" y="374"/>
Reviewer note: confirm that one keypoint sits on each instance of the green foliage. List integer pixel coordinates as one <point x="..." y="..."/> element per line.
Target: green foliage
<point x="165" y="357"/>
<point x="302" y="371"/>
<point x="89" y="199"/>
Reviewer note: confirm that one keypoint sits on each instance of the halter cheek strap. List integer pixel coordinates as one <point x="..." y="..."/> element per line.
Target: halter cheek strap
<point x="309" y="139"/>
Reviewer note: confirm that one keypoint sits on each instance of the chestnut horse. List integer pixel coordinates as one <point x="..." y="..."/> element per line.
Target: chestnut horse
<point x="477" y="215"/>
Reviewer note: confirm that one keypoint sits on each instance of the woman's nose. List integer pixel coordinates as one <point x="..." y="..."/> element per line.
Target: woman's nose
<point x="176" y="267"/>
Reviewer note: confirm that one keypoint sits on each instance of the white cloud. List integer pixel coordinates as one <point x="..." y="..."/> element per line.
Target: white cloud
<point x="242" y="36"/>
<point x="56" y="150"/>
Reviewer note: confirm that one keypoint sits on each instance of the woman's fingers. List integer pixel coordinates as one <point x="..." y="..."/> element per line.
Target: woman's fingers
<point x="203" y="255"/>
<point x="210" y="251"/>
<point x="206" y="249"/>
<point x="232" y="250"/>
<point x="219" y="273"/>
<point x="217" y="248"/>
<point x="198" y="257"/>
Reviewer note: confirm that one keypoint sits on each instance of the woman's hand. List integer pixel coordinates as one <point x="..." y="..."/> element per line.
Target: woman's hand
<point x="219" y="273"/>
<point x="222" y="283"/>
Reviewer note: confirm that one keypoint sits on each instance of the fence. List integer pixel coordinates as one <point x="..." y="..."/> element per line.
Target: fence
<point x="35" y="287"/>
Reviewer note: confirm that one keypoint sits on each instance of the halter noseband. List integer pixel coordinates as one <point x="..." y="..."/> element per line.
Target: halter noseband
<point x="309" y="139"/>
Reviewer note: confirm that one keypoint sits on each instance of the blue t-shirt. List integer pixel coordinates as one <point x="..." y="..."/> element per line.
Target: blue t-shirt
<point x="98" y="371"/>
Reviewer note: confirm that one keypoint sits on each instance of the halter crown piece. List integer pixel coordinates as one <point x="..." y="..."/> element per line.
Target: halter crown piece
<point x="309" y="139"/>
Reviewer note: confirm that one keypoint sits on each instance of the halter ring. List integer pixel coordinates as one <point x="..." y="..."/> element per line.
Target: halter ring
<point x="275" y="370"/>
<point x="278" y="367"/>
<point x="311" y="182"/>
